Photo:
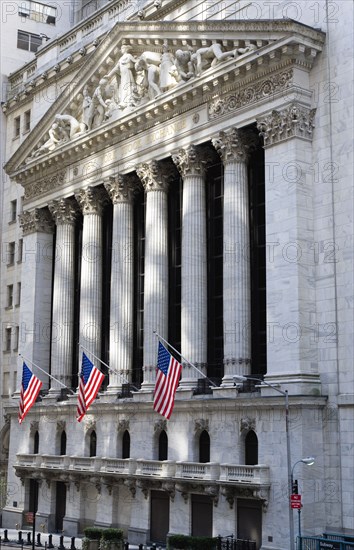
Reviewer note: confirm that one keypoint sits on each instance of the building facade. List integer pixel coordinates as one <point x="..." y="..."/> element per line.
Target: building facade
<point x="189" y="175"/>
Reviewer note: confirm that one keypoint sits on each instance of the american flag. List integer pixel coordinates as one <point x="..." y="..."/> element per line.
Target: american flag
<point x="90" y="382"/>
<point x="167" y="378"/>
<point x="30" y="388"/>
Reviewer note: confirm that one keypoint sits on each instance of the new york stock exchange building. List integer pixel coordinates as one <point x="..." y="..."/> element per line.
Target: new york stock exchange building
<point x="175" y="182"/>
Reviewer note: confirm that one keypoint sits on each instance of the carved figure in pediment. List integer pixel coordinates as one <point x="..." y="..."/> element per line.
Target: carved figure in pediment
<point x="149" y="63"/>
<point x="56" y="136"/>
<point x="124" y="72"/>
<point x="183" y="68"/>
<point x="207" y="57"/>
<point x="167" y="81"/>
<point x="97" y="110"/>
<point x="70" y="126"/>
<point x="86" y="105"/>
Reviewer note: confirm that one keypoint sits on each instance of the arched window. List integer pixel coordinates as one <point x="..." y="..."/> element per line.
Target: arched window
<point x="163" y="446"/>
<point x="63" y="443"/>
<point x="36" y="443"/>
<point x="93" y="443"/>
<point x="251" y="448"/>
<point x="126" y="445"/>
<point x="204" y="447"/>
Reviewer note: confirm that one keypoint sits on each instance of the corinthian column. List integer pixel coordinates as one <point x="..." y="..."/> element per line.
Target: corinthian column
<point x="64" y="212"/>
<point x="91" y="201"/>
<point x="236" y="270"/>
<point x="191" y="164"/>
<point x="121" y="191"/>
<point x="155" y="181"/>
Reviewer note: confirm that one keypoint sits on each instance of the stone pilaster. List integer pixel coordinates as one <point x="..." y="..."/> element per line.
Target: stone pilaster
<point x="232" y="148"/>
<point x="71" y="521"/>
<point x="191" y="164"/>
<point x="36" y="290"/>
<point x="154" y="178"/>
<point x="64" y="212"/>
<point x="91" y="201"/>
<point x="121" y="191"/>
<point x="292" y="354"/>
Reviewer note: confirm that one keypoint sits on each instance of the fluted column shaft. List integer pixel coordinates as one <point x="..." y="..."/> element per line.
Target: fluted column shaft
<point x="190" y="163"/>
<point x="121" y="189"/>
<point x="236" y="266"/>
<point x="64" y="213"/>
<point x="91" y="201"/>
<point x="154" y="180"/>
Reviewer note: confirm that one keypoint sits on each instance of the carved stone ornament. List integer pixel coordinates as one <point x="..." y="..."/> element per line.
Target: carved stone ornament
<point x="38" y="220"/>
<point x="90" y="424"/>
<point x="231" y="146"/>
<point x="154" y="175"/>
<point x="213" y="492"/>
<point x="91" y="200"/>
<point x="43" y="186"/>
<point x="294" y="121"/>
<point x="64" y="211"/>
<point x="201" y="424"/>
<point x="247" y="424"/>
<point x="131" y="484"/>
<point x="192" y="161"/>
<point x="34" y="426"/>
<point x="61" y="425"/>
<point x="169" y="487"/>
<point x="123" y="425"/>
<point x="251" y="94"/>
<point x="160" y="425"/>
<point x="121" y="188"/>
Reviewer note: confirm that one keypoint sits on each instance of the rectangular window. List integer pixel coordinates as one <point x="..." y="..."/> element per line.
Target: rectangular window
<point x="7" y="342"/>
<point x="17" y="126"/>
<point x="11" y="254"/>
<point x="10" y="296"/>
<point x="20" y="251"/>
<point x="27" y="122"/>
<point x="28" y="41"/>
<point x="13" y="211"/>
<point x="18" y="300"/>
<point x="37" y="12"/>
<point x="16" y="338"/>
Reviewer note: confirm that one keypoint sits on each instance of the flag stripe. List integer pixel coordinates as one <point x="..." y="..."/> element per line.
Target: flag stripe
<point x="90" y="382"/>
<point x="30" y="389"/>
<point x="167" y="379"/>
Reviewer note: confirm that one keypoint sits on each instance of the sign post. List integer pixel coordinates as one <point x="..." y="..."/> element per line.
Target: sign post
<point x="295" y="502"/>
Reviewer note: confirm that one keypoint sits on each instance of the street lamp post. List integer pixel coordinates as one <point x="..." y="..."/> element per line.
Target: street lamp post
<point x="288" y="451"/>
<point x="309" y="460"/>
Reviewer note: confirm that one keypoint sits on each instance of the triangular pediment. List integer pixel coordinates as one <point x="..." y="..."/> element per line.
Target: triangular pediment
<point x="145" y="71"/>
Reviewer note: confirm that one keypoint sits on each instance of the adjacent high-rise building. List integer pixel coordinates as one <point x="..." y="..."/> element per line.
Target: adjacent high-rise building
<point x="183" y="170"/>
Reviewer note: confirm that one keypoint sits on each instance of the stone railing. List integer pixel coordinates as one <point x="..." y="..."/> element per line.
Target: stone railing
<point x="210" y="471"/>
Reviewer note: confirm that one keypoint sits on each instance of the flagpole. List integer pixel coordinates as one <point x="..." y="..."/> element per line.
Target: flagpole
<point x="108" y="367"/>
<point x="45" y="372"/>
<point x="184" y="359"/>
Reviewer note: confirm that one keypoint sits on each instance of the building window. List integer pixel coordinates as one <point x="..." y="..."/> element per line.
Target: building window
<point x="163" y="446"/>
<point x="63" y="443"/>
<point x="10" y="296"/>
<point x="17" y="126"/>
<point x="27" y="122"/>
<point x="7" y="342"/>
<point x="251" y="449"/>
<point x="13" y="211"/>
<point x="20" y="251"/>
<point x="18" y="298"/>
<point x="11" y="254"/>
<point x="204" y="447"/>
<point x="93" y="443"/>
<point x="36" y="443"/>
<point x="37" y="11"/>
<point x="29" y="42"/>
<point x="126" y="445"/>
<point x="16" y="338"/>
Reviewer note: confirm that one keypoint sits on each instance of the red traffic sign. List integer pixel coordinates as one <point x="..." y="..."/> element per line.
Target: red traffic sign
<point x="295" y="502"/>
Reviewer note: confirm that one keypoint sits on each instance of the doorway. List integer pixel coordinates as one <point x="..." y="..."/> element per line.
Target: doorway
<point x="160" y="516"/>
<point x="60" y="505"/>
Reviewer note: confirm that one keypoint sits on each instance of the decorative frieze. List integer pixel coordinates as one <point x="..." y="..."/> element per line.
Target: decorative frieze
<point x="64" y="211"/>
<point x="121" y="188"/>
<point x="45" y="185"/>
<point x="38" y="220"/>
<point x="247" y="95"/>
<point x="294" y="121"/>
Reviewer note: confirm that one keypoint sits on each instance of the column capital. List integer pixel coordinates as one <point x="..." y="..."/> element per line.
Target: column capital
<point x="232" y="145"/>
<point x="294" y="121"/>
<point x="192" y="160"/>
<point x="37" y="220"/>
<point x="154" y="175"/>
<point x="91" y="200"/>
<point x="121" y="188"/>
<point x="64" y="211"/>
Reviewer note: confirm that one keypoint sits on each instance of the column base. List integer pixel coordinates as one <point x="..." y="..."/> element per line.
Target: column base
<point x="71" y="526"/>
<point x="296" y="384"/>
<point x="45" y="522"/>
<point x="11" y="517"/>
<point x="137" y="536"/>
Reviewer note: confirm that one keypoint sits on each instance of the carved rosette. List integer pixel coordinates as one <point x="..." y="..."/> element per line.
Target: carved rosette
<point x="38" y="220"/>
<point x="64" y="211"/>
<point x="121" y="188"/>
<point x="191" y="161"/>
<point x="231" y="146"/>
<point x="154" y="175"/>
<point x="91" y="200"/>
<point x="294" y="121"/>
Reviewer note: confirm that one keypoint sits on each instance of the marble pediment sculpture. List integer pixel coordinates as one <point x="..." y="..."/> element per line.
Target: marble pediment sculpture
<point x="141" y="66"/>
